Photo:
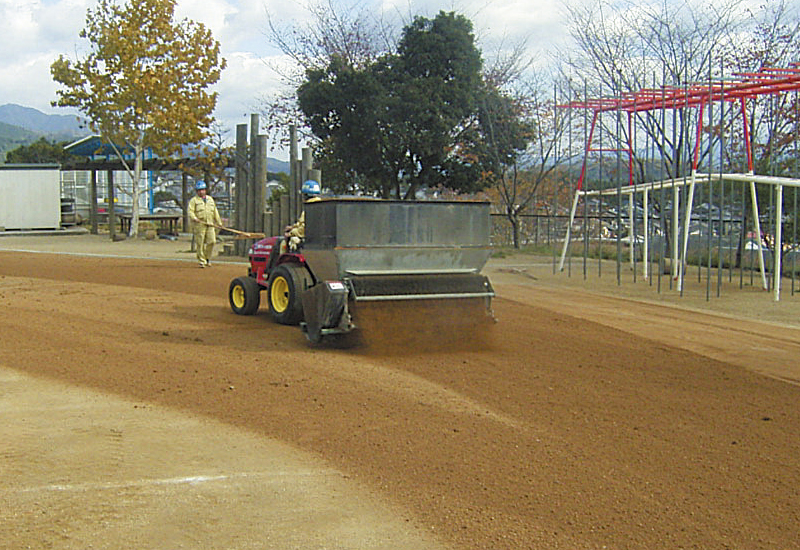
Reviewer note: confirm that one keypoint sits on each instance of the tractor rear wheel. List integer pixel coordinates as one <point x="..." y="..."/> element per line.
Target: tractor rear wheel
<point x="244" y="295"/>
<point x="286" y="283"/>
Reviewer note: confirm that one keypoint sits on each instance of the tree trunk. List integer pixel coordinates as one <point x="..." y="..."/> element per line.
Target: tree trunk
<point x="514" y="219"/>
<point x="135" y="191"/>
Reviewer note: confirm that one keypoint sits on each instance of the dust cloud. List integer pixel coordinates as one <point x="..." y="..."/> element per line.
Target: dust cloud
<point x="411" y="327"/>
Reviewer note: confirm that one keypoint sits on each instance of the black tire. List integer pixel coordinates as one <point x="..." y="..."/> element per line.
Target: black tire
<point x="244" y="295"/>
<point x="286" y="283"/>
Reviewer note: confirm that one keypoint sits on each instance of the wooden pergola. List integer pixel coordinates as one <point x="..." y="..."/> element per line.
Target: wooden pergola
<point x="94" y="155"/>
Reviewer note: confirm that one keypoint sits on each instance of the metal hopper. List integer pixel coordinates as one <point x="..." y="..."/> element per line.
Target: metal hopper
<point x="395" y="250"/>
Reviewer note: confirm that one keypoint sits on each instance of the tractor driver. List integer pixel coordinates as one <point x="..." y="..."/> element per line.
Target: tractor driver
<point x="294" y="234"/>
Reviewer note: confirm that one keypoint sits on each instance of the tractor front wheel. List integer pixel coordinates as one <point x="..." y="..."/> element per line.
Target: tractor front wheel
<point x="244" y="295"/>
<point x="283" y="294"/>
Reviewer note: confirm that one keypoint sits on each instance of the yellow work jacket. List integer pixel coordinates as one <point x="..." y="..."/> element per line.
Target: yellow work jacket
<point x="203" y="212"/>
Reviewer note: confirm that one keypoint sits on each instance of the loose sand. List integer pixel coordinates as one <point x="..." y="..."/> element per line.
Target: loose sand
<point x="594" y="415"/>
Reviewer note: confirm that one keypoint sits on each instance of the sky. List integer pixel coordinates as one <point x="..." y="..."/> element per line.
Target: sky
<point x="33" y="33"/>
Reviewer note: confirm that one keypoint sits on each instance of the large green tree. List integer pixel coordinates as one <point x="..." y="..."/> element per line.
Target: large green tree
<point x="145" y="82"/>
<point x="408" y="119"/>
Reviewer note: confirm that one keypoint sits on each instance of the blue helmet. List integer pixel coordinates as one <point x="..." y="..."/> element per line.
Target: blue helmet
<point x="310" y="187"/>
<point x="200" y="185"/>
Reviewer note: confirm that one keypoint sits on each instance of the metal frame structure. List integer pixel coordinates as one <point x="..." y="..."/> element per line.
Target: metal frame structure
<point x="737" y="90"/>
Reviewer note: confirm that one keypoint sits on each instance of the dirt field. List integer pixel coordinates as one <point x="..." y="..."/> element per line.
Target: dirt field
<point x="618" y="418"/>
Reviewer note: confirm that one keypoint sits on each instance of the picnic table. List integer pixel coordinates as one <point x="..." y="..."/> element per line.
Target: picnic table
<point x="167" y="222"/>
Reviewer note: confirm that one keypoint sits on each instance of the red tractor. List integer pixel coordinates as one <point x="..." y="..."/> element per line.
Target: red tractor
<point x="368" y="250"/>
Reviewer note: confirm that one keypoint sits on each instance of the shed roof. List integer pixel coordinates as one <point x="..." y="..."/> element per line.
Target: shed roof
<point x="92" y="147"/>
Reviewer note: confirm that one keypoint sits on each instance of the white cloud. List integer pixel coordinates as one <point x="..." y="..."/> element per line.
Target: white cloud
<point x="26" y="81"/>
<point x="31" y="26"/>
<point x="520" y="18"/>
<point x="18" y="28"/>
<point x="33" y="33"/>
<point x="214" y="14"/>
<point x="246" y="78"/>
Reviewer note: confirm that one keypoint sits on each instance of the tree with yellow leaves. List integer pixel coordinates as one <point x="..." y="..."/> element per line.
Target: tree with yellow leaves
<point x="144" y="84"/>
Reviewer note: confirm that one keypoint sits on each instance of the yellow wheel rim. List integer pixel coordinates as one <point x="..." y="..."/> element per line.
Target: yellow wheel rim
<point x="238" y="296"/>
<point x="279" y="294"/>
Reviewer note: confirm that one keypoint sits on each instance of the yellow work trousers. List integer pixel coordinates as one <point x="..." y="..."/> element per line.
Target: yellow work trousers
<point x="204" y="239"/>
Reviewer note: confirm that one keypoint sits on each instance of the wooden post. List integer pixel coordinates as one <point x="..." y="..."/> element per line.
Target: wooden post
<point x="294" y="193"/>
<point x="93" y="202"/>
<point x="230" y="198"/>
<point x="298" y="172"/>
<point x="260" y="146"/>
<point x="251" y="177"/>
<point x="267" y="228"/>
<point x="112" y="216"/>
<point x="285" y="214"/>
<point x="275" y="228"/>
<point x="185" y="201"/>
<point x="241" y="183"/>
<point x="316" y="175"/>
<point x="307" y="163"/>
<point x="250" y="184"/>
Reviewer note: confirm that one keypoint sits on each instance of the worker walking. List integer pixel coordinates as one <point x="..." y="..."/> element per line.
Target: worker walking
<point x="205" y="221"/>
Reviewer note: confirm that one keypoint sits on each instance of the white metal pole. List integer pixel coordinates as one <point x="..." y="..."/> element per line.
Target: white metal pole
<point x="686" y="223"/>
<point x="631" y="227"/>
<point x="757" y="227"/>
<point x="675" y="233"/>
<point x="646" y="240"/>
<point x="776" y="285"/>
<point x="568" y="236"/>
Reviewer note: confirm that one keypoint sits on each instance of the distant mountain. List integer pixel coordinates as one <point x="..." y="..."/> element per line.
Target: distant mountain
<point x="12" y="133"/>
<point x="12" y="137"/>
<point x="58" y="127"/>
<point x="23" y="125"/>
<point x="275" y="165"/>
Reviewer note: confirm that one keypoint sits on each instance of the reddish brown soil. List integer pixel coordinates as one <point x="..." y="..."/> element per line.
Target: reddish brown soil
<point x="554" y="431"/>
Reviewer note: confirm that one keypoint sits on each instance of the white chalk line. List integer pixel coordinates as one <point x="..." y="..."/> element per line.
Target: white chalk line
<point x="183" y="480"/>
<point x="121" y="256"/>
